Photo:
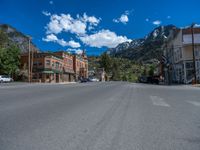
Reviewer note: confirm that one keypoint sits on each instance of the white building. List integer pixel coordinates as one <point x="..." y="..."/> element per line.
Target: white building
<point x="179" y="52"/>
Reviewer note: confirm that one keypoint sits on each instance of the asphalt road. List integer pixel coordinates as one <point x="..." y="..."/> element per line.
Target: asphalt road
<point x="99" y="116"/>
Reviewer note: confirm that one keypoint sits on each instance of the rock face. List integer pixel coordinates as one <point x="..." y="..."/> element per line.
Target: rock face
<point x="18" y="38"/>
<point x="144" y="49"/>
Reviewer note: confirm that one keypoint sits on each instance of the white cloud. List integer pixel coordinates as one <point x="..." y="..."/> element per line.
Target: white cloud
<point x="157" y="22"/>
<point x="91" y="19"/>
<point x="78" y="27"/>
<point x="54" y="26"/>
<point x="51" y="2"/>
<point x="103" y="38"/>
<point x="74" y="44"/>
<point x="123" y="18"/>
<point x="197" y="25"/>
<point x="71" y="43"/>
<point x="46" y="13"/>
<point x="53" y="38"/>
<point x="76" y="51"/>
<point x="66" y="23"/>
<point x="50" y="38"/>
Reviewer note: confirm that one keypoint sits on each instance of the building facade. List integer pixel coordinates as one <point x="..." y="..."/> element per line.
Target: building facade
<point x="68" y="71"/>
<point x="179" y="54"/>
<point x="45" y="67"/>
<point x="55" y="67"/>
<point x="80" y="66"/>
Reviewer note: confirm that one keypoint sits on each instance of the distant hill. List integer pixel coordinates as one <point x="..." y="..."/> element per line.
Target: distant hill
<point x="17" y="38"/>
<point x="143" y="49"/>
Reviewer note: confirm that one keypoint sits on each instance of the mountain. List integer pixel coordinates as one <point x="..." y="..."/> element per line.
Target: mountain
<point x="143" y="49"/>
<point x="17" y="38"/>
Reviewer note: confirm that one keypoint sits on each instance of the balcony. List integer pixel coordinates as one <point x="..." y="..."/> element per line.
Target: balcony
<point x="187" y="39"/>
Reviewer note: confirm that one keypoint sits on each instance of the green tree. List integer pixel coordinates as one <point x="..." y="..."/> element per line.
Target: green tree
<point x="116" y="70"/>
<point x="105" y="62"/>
<point x="9" y="60"/>
<point x="151" y="70"/>
<point x="9" y="56"/>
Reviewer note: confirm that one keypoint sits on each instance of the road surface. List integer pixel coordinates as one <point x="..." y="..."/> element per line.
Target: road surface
<point x="99" y="116"/>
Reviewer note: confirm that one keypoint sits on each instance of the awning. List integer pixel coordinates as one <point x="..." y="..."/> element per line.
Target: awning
<point x="48" y="72"/>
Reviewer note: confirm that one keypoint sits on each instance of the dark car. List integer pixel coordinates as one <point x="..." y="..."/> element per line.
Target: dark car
<point x="83" y="80"/>
<point x="143" y="79"/>
<point x="153" y="79"/>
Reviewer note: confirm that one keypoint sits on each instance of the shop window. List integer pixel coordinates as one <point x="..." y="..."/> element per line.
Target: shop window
<point x="47" y="76"/>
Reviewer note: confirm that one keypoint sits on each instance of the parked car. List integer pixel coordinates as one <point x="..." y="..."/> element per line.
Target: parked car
<point x="83" y="80"/>
<point x="5" y="78"/>
<point x="143" y="79"/>
<point x="93" y="80"/>
<point x="150" y="79"/>
<point x="153" y="79"/>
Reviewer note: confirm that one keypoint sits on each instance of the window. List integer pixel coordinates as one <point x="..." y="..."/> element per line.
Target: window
<point x="35" y="63"/>
<point x="189" y="65"/>
<point x="197" y="51"/>
<point x="48" y="62"/>
<point x="57" y="64"/>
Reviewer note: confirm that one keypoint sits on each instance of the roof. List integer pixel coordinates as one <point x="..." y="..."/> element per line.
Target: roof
<point x="189" y="30"/>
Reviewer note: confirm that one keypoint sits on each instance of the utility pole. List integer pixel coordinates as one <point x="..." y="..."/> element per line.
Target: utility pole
<point x="193" y="50"/>
<point x="167" y="73"/>
<point x="32" y="65"/>
<point x="29" y="59"/>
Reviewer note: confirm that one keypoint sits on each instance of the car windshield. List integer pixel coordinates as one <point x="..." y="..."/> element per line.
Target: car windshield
<point x="99" y="75"/>
<point x="5" y="76"/>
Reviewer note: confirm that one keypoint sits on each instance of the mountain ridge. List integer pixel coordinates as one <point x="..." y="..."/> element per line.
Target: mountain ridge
<point x="18" y="38"/>
<point x="143" y="49"/>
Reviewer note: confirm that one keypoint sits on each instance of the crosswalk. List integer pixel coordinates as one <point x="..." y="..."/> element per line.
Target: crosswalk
<point x="194" y="103"/>
<point x="159" y="101"/>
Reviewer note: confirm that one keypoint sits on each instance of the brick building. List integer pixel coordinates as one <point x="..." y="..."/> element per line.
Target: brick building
<point x="56" y="67"/>
<point x="68" y="69"/>
<point x="46" y="67"/>
<point x="80" y="66"/>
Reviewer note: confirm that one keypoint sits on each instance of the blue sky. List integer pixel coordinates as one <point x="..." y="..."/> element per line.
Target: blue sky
<point x="94" y="25"/>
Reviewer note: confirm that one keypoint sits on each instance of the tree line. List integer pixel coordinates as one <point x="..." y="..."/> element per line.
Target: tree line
<point x="121" y="69"/>
<point x="9" y="56"/>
